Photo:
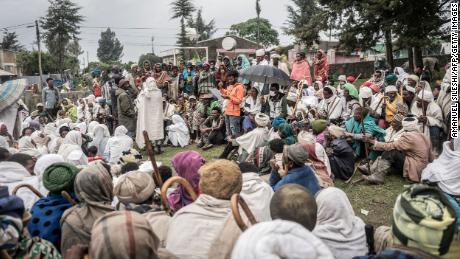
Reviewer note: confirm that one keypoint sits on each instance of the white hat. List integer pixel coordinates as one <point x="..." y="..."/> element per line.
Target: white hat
<point x="426" y="95"/>
<point x="410" y="124"/>
<point x="365" y="92"/>
<point x="413" y="77"/>
<point x="260" y="53"/>
<point x="262" y="119"/>
<point x="276" y="56"/>
<point x="343" y="78"/>
<point x="391" y="88"/>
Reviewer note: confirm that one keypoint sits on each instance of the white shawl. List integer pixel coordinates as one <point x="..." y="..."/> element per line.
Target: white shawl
<point x="117" y="144"/>
<point x="337" y="225"/>
<point x="194" y="227"/>
<point x="253" y="139"/>
<point x="279" y="239"/>
<point x="25" y="146"/>
<point x="332" y="107"/>
<point x="41" y="165"/>
<point x="257" y="195"/>
<point x="391" y="135"/>
<point x="71" y="151"/>
<point x="445" y="170"/>
<point x="13" y="174"/>
<point x="433" y="114"/>
<point x="178" y="132"/>
<point x="101" y="135"/>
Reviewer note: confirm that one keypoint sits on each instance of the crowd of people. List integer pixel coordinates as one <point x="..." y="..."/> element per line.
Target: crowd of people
<point x="74" y="182"/>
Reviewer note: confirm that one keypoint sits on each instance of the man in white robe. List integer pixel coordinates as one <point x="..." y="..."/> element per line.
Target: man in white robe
<point x="194" y="228"/>
<point x="331" y="107"/>
<point x="149" y="106"/>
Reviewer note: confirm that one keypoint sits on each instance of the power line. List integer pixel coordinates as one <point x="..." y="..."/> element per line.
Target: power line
<point x="17" y="26"/>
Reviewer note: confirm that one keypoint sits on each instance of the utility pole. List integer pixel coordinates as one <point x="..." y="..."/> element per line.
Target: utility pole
<point x="153" y="49"/>
<point x="87" y="59"/>
<point x="37" y="30"/>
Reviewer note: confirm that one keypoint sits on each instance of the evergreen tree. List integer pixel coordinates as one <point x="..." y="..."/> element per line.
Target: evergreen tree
<point x="110" y="49"/>
<point x="203" y="29"/>
<point x="10" y="42"/>
<point x="183" y="10"/>
<point x="61" y="25"/>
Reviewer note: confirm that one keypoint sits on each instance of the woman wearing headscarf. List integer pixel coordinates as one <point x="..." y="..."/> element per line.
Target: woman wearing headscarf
<point x="100" y="138"/>
<point x="41" y="165"/>
<point x="294" y="159"/>
<point x="350" y="100"/>
<point x="83" y="112"/>
<point x="27" y="146"/>
<point x="279" y="239"/>
<point x="138" y="241"/>
<point x="402" y="75"/>
<point x="4" y="133"/>
<point x="117" y="144"/>
<point x="186" y="164"/>
<point x="71" y="150"/>
<point x="91" y="127"/>
<point x="47" y="211"/>
<point x="178" y="132"/>
<point x="286" y="133"/>
<point x="337" y="226"/>
<point x="70" y="109"/>
<point x="319" y="167"/>
<point x="252" y="106"/>
<point x="94" y="189"/>
<point x="321" y="66"/>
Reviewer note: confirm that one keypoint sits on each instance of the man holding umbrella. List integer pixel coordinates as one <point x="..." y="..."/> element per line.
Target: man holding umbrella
<point x="235" y="94"/>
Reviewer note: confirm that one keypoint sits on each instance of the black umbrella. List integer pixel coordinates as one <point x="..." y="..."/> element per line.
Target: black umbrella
<point x="265" y="74"/>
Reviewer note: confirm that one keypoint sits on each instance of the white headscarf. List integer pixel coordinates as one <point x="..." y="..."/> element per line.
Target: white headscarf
<point x="178" y="132"/>
<point x="117" y="144"/>
<point x="365" y="92"/>
<point x="71" y="151"/>
<point x="40" y="140"/>
<point x="42" y="164"/>
<point x="337" y="226"/>
<point x="444" y="170"/>
<point x="279" y="239"/>
<point x="101" y="135"/>
<point x="402" y="75"/>
<point x="26" y="146"/>
<point x="91" y="126"/>
<point x="410" y="124"/>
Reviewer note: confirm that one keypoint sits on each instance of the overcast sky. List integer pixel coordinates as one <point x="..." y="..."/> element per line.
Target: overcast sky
<point x="139" y="13"/>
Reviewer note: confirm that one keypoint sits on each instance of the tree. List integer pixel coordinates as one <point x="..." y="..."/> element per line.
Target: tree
<point x="152" y="58"/>
<point x="203" y="29"/>
<point x="10" y="41"/>
<point x="182" y="9"/>
<point x="28" y="60"/>
<point x="110" y="49"/>
<point x="61" y="25"/>
<point x="305" y="21"/>
<point x="248" y="29"/>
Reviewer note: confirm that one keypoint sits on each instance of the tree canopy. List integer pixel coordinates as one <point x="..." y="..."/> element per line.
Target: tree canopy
<point x="248" y="29"/>
<point x="183" y="10"/>
<point x="152" y="58"/>
<point x="203" y="29"/>
<point x="10" y="41"/>
<point x="110" y="49"/>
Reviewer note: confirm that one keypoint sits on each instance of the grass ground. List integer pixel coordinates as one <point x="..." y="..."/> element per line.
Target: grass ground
<point x="377" y="200"/>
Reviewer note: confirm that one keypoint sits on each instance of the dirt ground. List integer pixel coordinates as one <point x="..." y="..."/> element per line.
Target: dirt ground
<point x="377" y="201"/>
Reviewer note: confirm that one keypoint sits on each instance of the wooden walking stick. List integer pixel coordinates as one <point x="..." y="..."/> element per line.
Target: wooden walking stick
<point x="357" y="78"/>
<point x="150" y="153"/>
<point x="238" y="200"/>
<point x="28" y="186"/>
<point x="366" y="145"/>
<point x="67" y="196"/>
<point x="182" y="181"/>
<point x="423" y="107"/>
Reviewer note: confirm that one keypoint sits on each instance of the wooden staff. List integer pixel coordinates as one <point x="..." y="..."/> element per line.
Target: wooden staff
<point x="423" y="107"/>
<point x="238" y="200"/>
<point x="357" y="78"/>
<point x="150" y="153"/>
<point x="67" y="196"/>
<point x="366" y="146"/>
<point x="28" y="186"/>
<point x="182" y="181"/>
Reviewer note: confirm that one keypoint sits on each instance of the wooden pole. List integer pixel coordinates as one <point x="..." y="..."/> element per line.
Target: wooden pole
<point x="150" y="153"/>
<point x="37" y="31"/>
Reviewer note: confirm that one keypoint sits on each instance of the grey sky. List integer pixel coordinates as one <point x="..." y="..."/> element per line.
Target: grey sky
<point x="140" y="13"/>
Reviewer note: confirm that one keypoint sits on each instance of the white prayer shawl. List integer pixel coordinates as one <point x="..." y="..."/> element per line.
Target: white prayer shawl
<point x="349" y="108"/>
<point x="82" y="127"/>
<point x="445" y="170"/>
<point x="193" y="228"/>
<point x="253" y="139"/>
<point x="251" y="106"/>
<point x="178" y="132"/>
<point x="13" y="174"/>
<point x="402" y="75"/>
<point x="83" y="112"/>
<point x="41" y="165"/>
<point x="433" y="114"/>
<point x="100" y="137"/>
<point x="257" y="195"/>
<point x="91" y="126"/>
<point x="392" y="135"/>
<point x="169" y="110"/>
<point x="337" y="226"/>
<point x="149" y="113"/>
<point x="331" y="107"/>
<point x="279" y="239"/>
<point x="117" y="144"/>
<point x="25" y="146"/>
<point x="4" y="142"/>
<point x="40" y="140"/>
<point x="376" y="104"/>
<point x="71" y="151"/>
<point x="309" y="98"/>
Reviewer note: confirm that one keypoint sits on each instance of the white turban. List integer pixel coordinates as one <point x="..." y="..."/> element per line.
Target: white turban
<point x="134" y="187"/>
<point x="262" y="119"/>
<point x="410" y="88"/>
<point x="306" y="137"/>
<point x="410" y="124"/>
<point x="343" y="78"/>
<point x="391" y="88"/>
<point x="365" y="92"/>
<point x="414" y="78"/>
<point x="426" y="96"/>
<point x="260" y="53"/>
<point x="276" y="56"/>
<point x="279" y="239"/>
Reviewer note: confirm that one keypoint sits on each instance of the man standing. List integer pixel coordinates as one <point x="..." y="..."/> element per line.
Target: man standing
<point x="51" y="98"/>
<point x="234" y="93"/>
<point x="125" y="108"/>
<point x="301" y="69"/>
<point x="206" y="80"/>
